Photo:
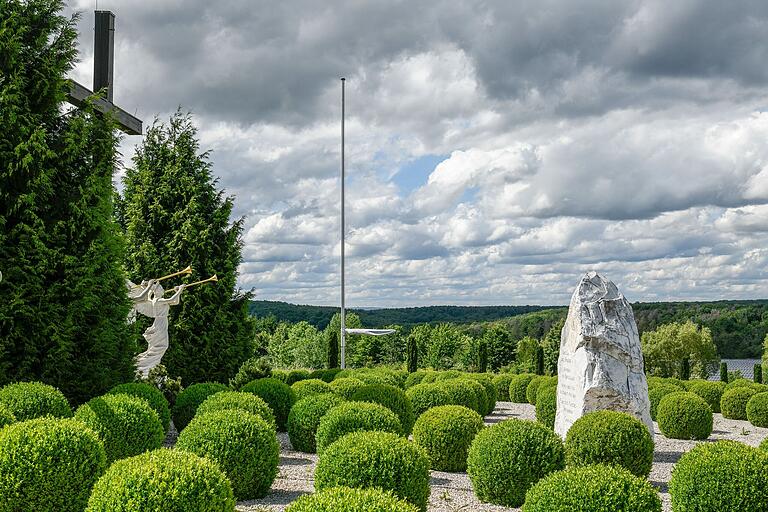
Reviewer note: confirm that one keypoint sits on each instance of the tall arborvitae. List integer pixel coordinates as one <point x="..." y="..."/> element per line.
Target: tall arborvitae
<point x="483" y="356"/>
<point x="412" y="354"/>
<point x="332" y="339"/>
<point x="174" y="216"/>
<point x="63" y="307"/>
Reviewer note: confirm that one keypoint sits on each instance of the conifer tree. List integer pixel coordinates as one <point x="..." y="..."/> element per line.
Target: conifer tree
<point x="332" y="338"/>
<point x="62" y="316"/>
<point x="174" y="216"/>
<point x="412" y="355"/>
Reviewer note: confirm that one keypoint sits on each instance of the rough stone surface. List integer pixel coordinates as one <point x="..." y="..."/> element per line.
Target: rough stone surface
<point x="601" y="364"/>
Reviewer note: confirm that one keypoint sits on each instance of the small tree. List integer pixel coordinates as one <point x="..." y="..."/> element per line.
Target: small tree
<point x="724" y="372"/>
<point x="539" y="360"/>
<point x="332" y="338"/>
<point x="685" y="369"/>
<point x="501" y="346"/>
<point x="758" y="374"/>
<point x="669" y="344"/>
<point x="551" y="346"/>
<point x="413" y="354"/>
<point x="483" y="356"/>
<point x="527" y="353"/>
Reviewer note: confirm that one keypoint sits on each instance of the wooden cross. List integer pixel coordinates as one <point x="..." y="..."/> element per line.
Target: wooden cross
<point x="103" y="67"/>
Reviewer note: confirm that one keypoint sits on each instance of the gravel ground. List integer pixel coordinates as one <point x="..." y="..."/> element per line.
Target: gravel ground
<point x="452" y="492"/>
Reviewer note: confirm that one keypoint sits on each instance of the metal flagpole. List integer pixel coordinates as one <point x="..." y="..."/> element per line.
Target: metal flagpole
<point x="343" y="327"/>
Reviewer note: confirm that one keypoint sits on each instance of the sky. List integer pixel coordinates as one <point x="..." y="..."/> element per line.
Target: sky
<point x="496" y="150"/>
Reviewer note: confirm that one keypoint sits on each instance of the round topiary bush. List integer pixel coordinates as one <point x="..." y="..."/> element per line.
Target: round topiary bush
<point x="29" y="400"/>
<point x="6" y="416"/>
<point x="414" y="378"/>
<point x="310" y="387"/>
<point x="597" y="488"/>
<point x="243" y="445"/>
<point x="710" y="391"/>
<point x="392" y="398"/>
<point x="252" y="369"/>
<point x="533" y="387"/>
<point x="458" y="394"/>
<point x="346" y="499"/>
<point x="304" y="420"/>
<point x="238" y="400"/>
<point x="475" y="388"/>
<point x="355" y="417"/>
<point x="726" y="476"/>
<point x="425" y="396"/>
<point x="377" y="378"/>
<point x="757" y="410"/>
<point x="430" y="377"/>
<point x="48" y="465"/>
<point x="490" y="391"/>
<point x="546" y="405"/>
<point x="518" y="387"/>
<point x="278" y="395"/>
<point x="151" y="394"/>
<point x="684" y="415"/>
<point x="126" y="424"/>
<point x="168" y="480"/>
<point x="446" y="433"/>
<point x="295" y="376"/>
<point x="189" y="400"/>
<point x="733" y="404"/>
<point x="657" y="392"/>
<point x="346" y="387"/>
<point x="739" y="383"/>
<point x="376" y="459"/>
<point x="502" y="382"/>
<point x="505" y="460"/>
<point x="610" y="437"/>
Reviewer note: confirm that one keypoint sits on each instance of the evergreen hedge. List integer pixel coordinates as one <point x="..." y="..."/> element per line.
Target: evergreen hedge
<point x="710" y="391"/>
<point x="657" y="392"/>
<point x="310" y="387"/>
<point x="532" y="388"/>
<point x="345" y="499"/>
<point x="415" y="378"/>
<point x="189" y="400"/>
<point x="279" y="396"/>
<point x="446" y="433"/>
<point x="304" y="420"/>
<point x="518" y="386"/>
<point x="733" y="404"/>
<point x="390" y="397"/>
<point x="757" y="410"/>
<point x="425" y="396"/>
<point x="684" y="415"/>
<point x="502" y="382"/>
<point x="546" y="405"/>
<point x="29" y="400"/>
<point x="151" y="394"/>
<point x="346" y="386"/>
<point x="238" y="400"/>
<point x="354" y="417"/>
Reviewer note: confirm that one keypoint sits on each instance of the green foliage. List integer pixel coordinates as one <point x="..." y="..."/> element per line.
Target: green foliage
<point x="295" y="376"/>
<point x="243" y="445"/>
<point x="390" y="397"/>
<point x="668" y="345"/>
<point x="757" y="410"/>
<point x="610" y="437"/>
<point x="446" y="433"/>
<point x="596" y="488"/>
<point x="415" y="378"/>
<point x="459" y="394"/>
<point x="332" y="341"/>
<point x="346" y="387"/>
<point x="656" y="393"/>
<point x="726" y="476"/>
<point x="684" y="415"/>
<point x="174" y="216"/>
<point x="527" y="354"/>
<point x="506" y="459"/>
<point x="169" y="480"/>
<point x="710" y="391"/>
<point x="354" y="417"/>
<point x="739" y="383"/>
<point x="310" y="387"/>
<point x="29" y="400"/>
<point x="376" y="459"/>
<point x="158" y="378"/>
<point x="126" y="424"/>
<point x="518" y="385"/>
<point x="299" y="345"/>
<point x="724" y="372"/>
<point x="486" y="381"/>
<point x="444" y="345"/>
<point x="48" y="465"/>
<point x="304" y="420"/>
<point x="757" y="374"/>
<point x="6" y="416"/>
<point x="325" y="374"/>
<point x="190" y="399"/>
<point x="238" y="401"/>
<point x="501" y="346"/>
<point x="425" y="396"/>
<point x="532" y="388"/>
<point x="151" y="394"/>
<point x="733" y="403"/>
<point x="551" y="346"/>
<point x="502" y="382"/>
<point x="345" y="499"/>
<point x="412" y="355"/>
<point x="252" y="369"/>
<point x="483" y="356"/>
<point x="546" y="405"/>
<point x="279" y="396"/>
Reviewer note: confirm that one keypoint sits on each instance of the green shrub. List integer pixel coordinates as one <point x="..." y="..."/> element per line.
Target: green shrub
<point x="757" y="410"/>
<point x="733" y="403"/>
<point x="278" y="395"/>
<point x="446" y="433"/>
<point x="304" y="419"/>
<point x="518" y="386"/>
<point x="48" y="465"/>
<point x="726" y="476"/>
<point x="126" y="424"/>
<point x="372" y="378"/>
<point x="657" y="392"/>
<point x="610" y="437"/>
<point x="532" y="388"/>
<point x="346" y="386"/>
<point x="281" y="375"/>
<point x="490" y="391"/>
<point x="238" y="400"/>
<point x="167" y="480"/>
<point x="243" y="445"/>
<point x="448" y="375"/>
<point x="430" y="377"/>
<point x="425" y="396"/>
<point x="326" y="375"/>
<point x="151" y="394"/>
<point x="29" y="400"/>
<point x="355" y="417"/>
<point x="6" y="416"/>
<point x="415" y="378"/>
<point x="459" y="394"/>
<point x="739" y="383"/>
<point x="502" y="382"/>
<point x="505" y="460"/>
<point x="190" y="399"/>
<point x="596" y="488"/>
<point x="684" y="415"/>
<point x="310" y="387"/>
<point x="390" y="397"/>
<point x="345" y="499"/>
<point x="546" y="405"/>
<point x="252" y="369"/>
<point x="376" y="459"/>
<point x="295" y="376"/>
<point x="710" y="391"/>
<point x="477" y="389"/>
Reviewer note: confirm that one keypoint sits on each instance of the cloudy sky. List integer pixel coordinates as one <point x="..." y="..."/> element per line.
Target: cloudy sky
<point x="496" y="149"/>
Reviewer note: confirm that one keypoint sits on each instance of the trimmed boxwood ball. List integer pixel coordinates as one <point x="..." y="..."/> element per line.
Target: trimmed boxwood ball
<point x="502" y="382"/>
<point x="610" y="437"/>
<point x="733" y="404"/>
<point x="757" y="410"/>
<point x="243" y="445"/>
<point x="189" y="400"/>
<point x="151" y="394"/>
<point x="505" y="460"/>
<point x="48" y="465"/>
<point x="546" y="405"/>
<point x="310" y="387"/>
<point x="297" y="375"/>
<point x="29" y="400"/>
<point x="376" y="459"/>
<point x="710" y="391"/>
<point x="305" y="417"/>
<point x="458" y="394"/>
<point x="483" y="400"/>
<point x="430" y="377"/>
<point x="657" y="392"/>
<point x="724" y="476"/>
<point x="533" y="387"/>
<point x="415" y="378"/>
<point x="345" y="499"/>
<point x="346" y="386"/>
<point x="597" y="488"/>
<point x="390" y="397"/>
<point x="6" y="416"/>
<point x="490" y="391"/>
<point x="238" y="400"/>
<point x="278" y="395"/>
<point x="684" y="415"/>
<point x="168" y="480"/>
<point x="446" y="433"/>
<point x="425" y="396"/>
<point x="126" y="424"/>
<point x="354" y="417"/>
<point x="739" y="383"/>
<point x="518" y="386"/>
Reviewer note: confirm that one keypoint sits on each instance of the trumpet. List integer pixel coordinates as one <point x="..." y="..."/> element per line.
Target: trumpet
<point x="184" y="272"/>
<point x="213" y="279"/>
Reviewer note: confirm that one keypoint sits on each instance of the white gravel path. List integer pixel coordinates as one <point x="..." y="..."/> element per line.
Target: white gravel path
<point x="452" y="492"/>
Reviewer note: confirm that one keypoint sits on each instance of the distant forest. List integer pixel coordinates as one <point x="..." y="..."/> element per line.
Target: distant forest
<point x="738" y="327"/>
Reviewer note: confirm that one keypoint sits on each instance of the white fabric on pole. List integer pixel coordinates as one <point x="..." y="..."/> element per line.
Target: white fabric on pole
<point x="370" y="332"/>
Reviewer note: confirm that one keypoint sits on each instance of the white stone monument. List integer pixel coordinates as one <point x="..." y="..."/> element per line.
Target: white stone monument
<point x="601" y="364"/>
